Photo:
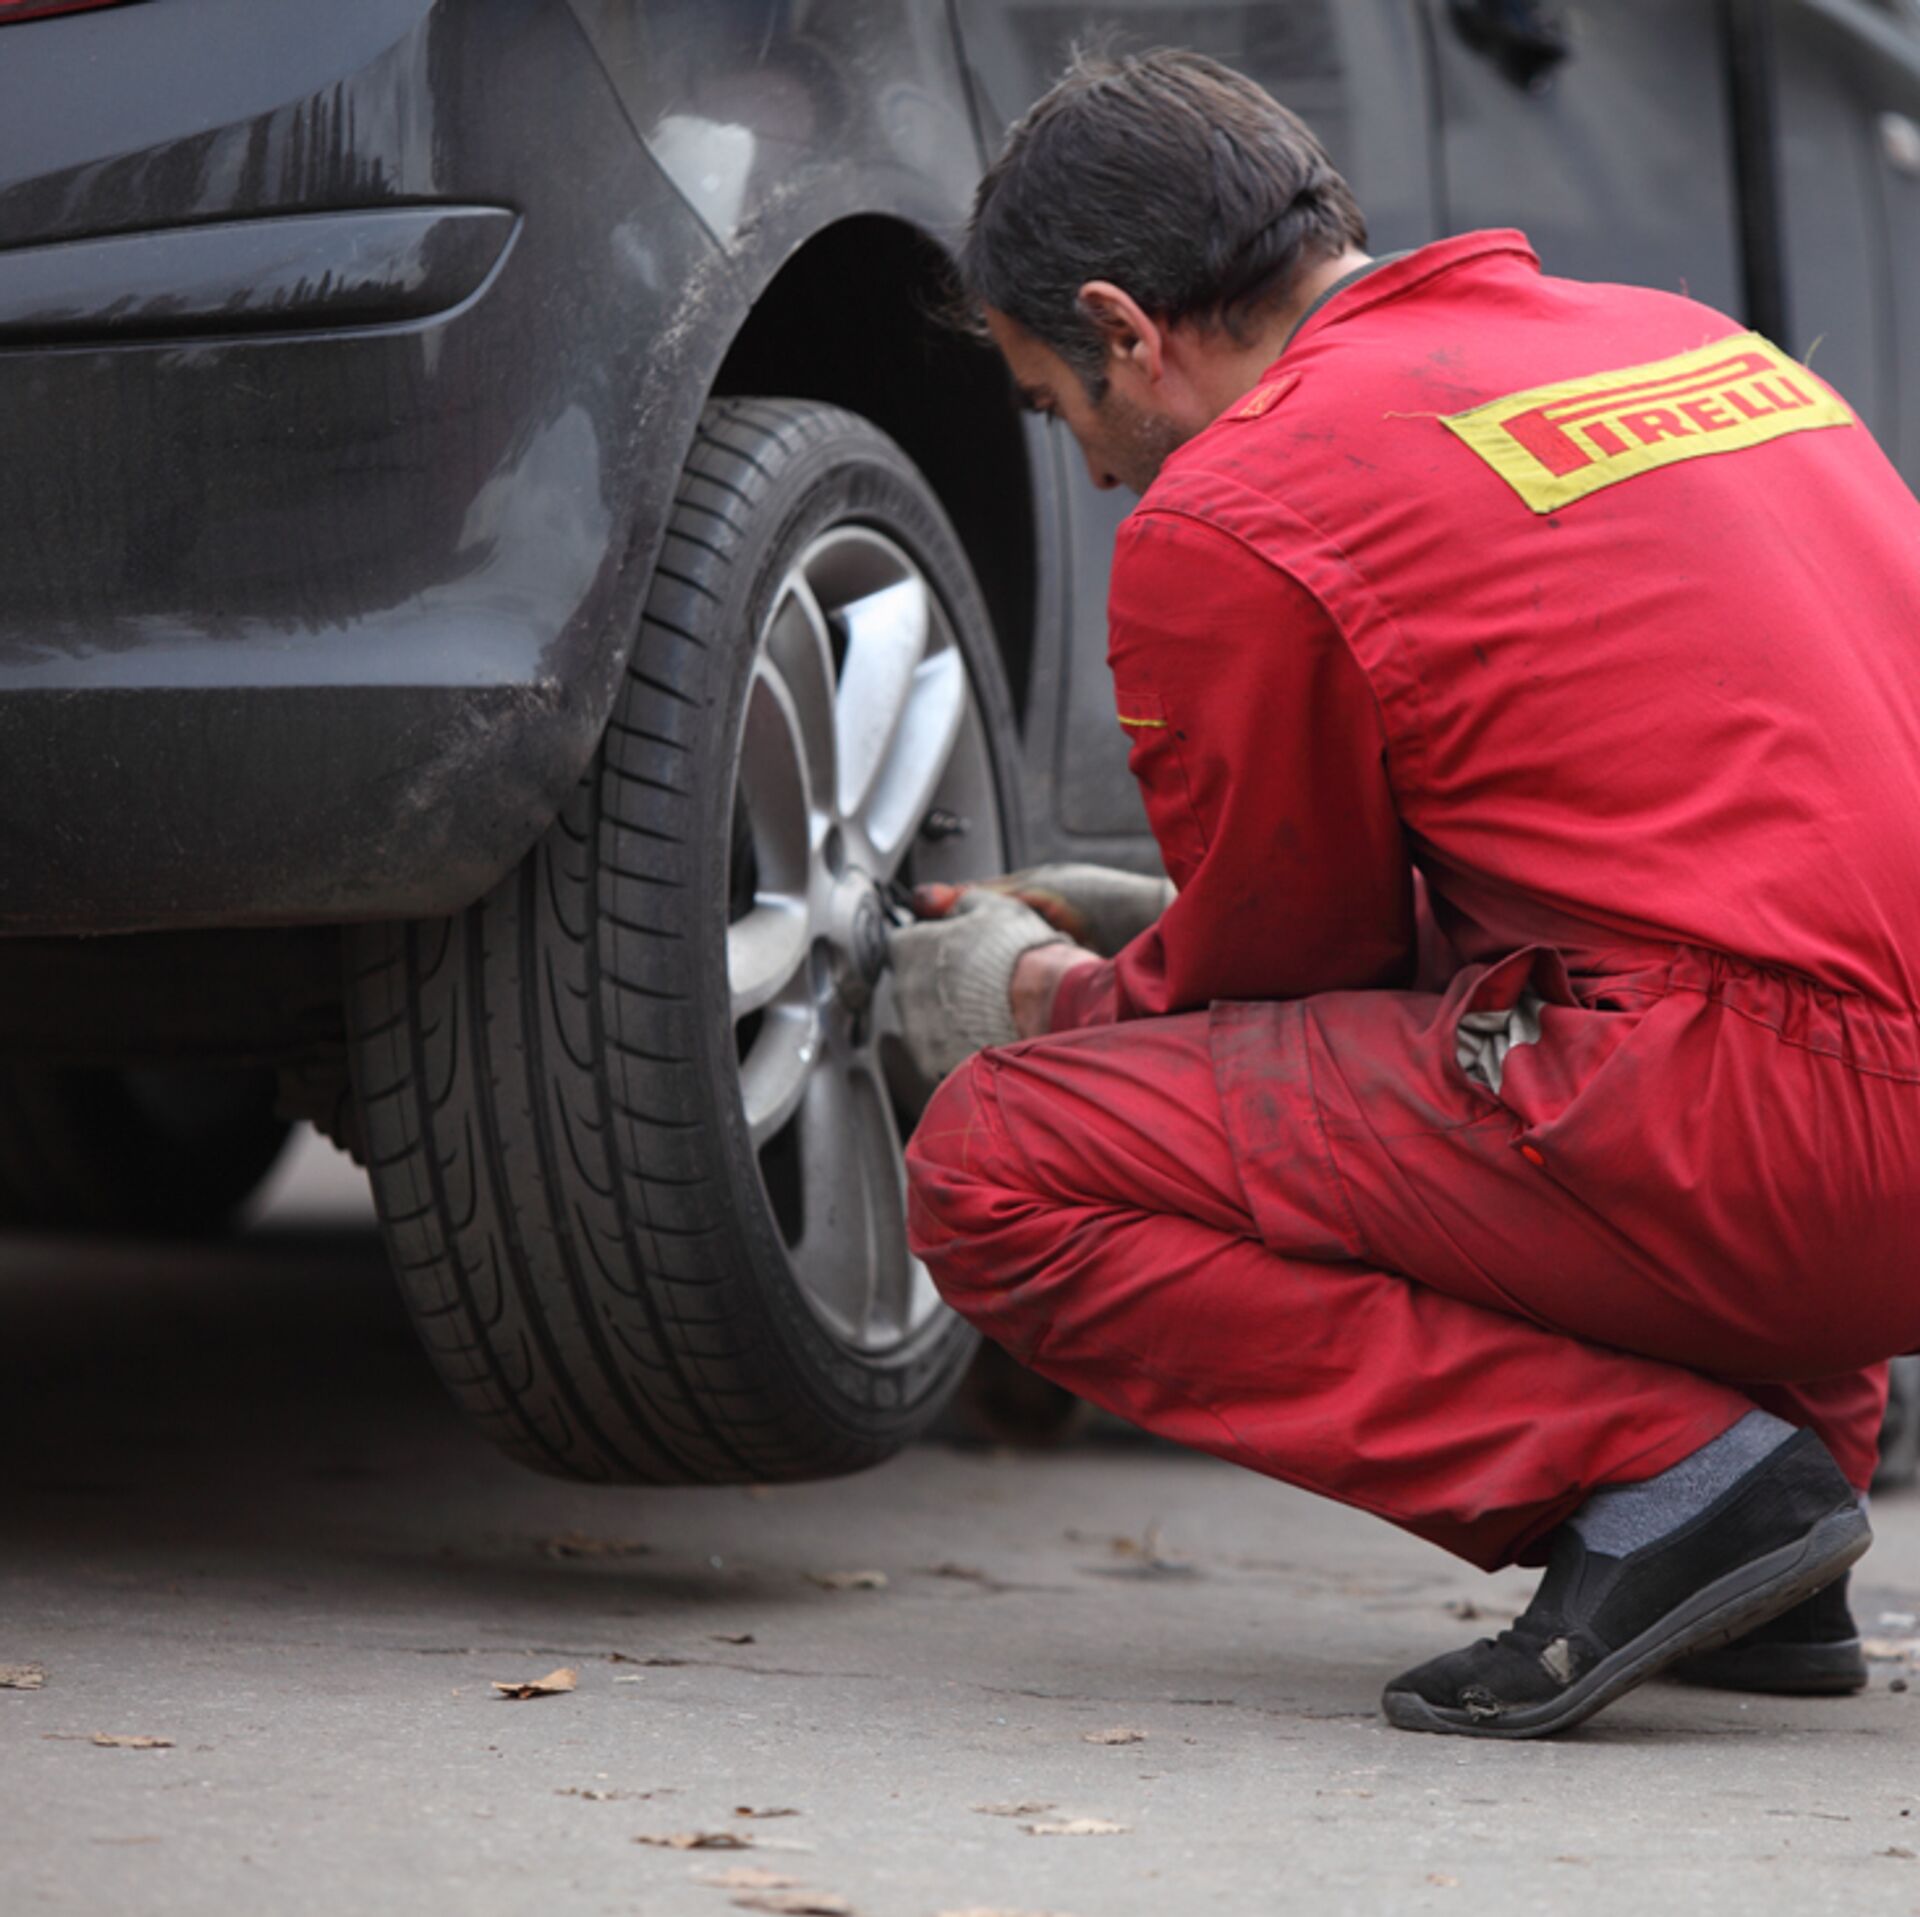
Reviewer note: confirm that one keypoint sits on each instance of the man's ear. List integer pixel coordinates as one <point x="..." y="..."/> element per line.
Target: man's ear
<point x="1130" y="333"/>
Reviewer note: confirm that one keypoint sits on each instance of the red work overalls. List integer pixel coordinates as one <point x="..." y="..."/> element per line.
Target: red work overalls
<point x="1604" y="618"/>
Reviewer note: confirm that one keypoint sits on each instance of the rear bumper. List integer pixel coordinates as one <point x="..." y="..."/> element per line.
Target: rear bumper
<point x="326" y="482"/>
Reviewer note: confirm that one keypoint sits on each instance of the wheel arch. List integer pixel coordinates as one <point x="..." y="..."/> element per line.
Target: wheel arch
<point x="857" y="317"/>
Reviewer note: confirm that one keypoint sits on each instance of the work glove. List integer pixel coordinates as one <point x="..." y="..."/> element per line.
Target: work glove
<point x="952" y="977"/>
<point x="1097" y="906"/>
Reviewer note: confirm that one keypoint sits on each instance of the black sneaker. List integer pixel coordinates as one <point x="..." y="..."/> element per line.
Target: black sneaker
<point x="1599" y="1625"/>
<point x="1811" y="1651"/>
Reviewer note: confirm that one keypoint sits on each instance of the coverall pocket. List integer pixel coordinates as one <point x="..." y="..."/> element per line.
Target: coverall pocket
<point x="1479" y="1000"/>
<point x="1541" y="1043"/>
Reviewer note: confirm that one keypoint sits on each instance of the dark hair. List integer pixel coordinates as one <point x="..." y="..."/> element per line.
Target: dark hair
<point x="1170" y="175"/>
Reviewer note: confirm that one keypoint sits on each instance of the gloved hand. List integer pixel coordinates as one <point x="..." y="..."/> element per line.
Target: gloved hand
<point x="952" y="977"/>
<point x="1097" y="906"/>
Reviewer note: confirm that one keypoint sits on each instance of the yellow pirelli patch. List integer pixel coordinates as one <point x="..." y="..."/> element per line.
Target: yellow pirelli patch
<point x="1556" y="444"/>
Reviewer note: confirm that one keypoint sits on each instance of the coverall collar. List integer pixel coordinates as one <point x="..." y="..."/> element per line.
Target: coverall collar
<point x="1404" y="272"/>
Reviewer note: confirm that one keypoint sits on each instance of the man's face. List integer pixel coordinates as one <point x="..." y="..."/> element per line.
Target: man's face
<point x="1125" y="438"/>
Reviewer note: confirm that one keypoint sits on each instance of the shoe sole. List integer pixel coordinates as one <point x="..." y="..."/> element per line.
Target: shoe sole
<point x="1778" y="1670"/>
<point x="1732" y="1605"/>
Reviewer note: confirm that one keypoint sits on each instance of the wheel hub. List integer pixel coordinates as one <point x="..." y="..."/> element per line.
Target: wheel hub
<point x="857" y="940"/>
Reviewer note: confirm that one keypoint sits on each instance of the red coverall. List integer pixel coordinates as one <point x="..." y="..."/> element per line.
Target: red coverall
<point x="1647" y="726"/>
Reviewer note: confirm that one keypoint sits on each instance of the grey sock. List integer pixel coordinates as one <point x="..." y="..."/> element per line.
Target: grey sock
<point x="1624" y="1517"/>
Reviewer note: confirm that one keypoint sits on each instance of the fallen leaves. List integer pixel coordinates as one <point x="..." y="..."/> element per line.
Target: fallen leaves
<point x="1139" y="1557"/>
<point x="22" y="1677"/>
<point x="730" y="1637"/>
<point x="129" y="1741"/>
<point x="963" y="1574"/>
<point x="1468" y="1610"/>
<point x="1442" y="1880"/>
<point x="796" y="1903"/>
<point x="1077" y="1827"/>
<point x="554" y="1684"/>
<point x="1120" y="1734"/>
<point x="695" y="1840"/>
<point x="658" y="1661"/>
<point x="577" y="1544"/>
<point x="1892" y="1650"/>
<point x="1027" y="1807"/>
<point x="849" y="1580"/>
<point x="747" y="1810"/>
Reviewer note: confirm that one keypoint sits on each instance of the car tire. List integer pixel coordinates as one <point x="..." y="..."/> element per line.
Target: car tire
<point x="633" y="1120"/>
<point x="173" y="1150"/>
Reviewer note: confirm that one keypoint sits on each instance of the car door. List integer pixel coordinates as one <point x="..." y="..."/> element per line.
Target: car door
<point x="1356" y="72"/>
<point x="1604" y="132"/>
<point x="1846" y="94"/>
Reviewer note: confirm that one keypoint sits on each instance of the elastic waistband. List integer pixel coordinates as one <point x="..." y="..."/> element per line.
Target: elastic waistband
<point x="1869" y="1037"/>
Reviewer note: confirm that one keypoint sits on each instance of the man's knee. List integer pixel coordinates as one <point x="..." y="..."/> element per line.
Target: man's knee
<point x="962" y="1176"/>
<point x="951" y="1154"/>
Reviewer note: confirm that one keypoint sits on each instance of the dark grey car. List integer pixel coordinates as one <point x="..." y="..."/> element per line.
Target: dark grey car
<point x="502" y="566"/>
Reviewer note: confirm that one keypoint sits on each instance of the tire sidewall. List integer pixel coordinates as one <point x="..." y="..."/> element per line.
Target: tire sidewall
<point x="852" y="476"/>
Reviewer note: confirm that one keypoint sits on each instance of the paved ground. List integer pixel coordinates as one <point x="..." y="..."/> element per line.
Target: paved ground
<point x="237" y="1515"/>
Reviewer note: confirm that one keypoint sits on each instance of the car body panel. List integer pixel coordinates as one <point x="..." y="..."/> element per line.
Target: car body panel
<point x="321" y="622"/>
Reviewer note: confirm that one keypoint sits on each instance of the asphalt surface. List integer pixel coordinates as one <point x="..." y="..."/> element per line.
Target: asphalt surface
<point x="237" y="1515"/>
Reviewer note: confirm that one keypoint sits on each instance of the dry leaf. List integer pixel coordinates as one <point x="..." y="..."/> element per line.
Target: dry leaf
<point x="1027" y="1807"/>
<point x="1076" y="1827"/>
<point x="1893" y="1650"/>
<point x="745" y="1877"/>
<point x="850" y="1580"/>
<point x="658" y="1662"/>
<point x="552" y="1685"/>
<point x="1139" y="1557"/>
<point x="731" y="1637"/>
<point x="1441" y="1878"/>
<point x="1120" y="1734"/>
<point x="577" y="1544"/>
<point x="22" y="1677"/>
<point x="747" y="1810"/>
<point x="1896" y="1850"/>
<point x="126" y="1741"/>
<point x="796" y="1903"/>
<point x="697" y="1840"/>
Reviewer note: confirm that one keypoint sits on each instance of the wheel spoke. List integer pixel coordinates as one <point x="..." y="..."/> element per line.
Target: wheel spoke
<point x="889" y="1302"/>
<point x="764" y="950"/>
<point x="922" y="746"/>
<point x="800" y="649"/>
<point x="886" y="640"/>
<point x="852" y="1255"/>
<point x="776" y="1071"/>
<point x="775" y="784"/>
<point x="834" y="1258"/>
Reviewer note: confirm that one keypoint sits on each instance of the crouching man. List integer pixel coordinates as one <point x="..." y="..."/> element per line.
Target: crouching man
<point x="1601" y="616"/>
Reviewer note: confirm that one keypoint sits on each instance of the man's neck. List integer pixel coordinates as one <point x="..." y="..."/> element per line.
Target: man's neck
<point x="1235" y="372"/>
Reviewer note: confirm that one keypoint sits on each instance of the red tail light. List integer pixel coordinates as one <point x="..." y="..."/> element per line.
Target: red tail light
<point x="12" y="10"/>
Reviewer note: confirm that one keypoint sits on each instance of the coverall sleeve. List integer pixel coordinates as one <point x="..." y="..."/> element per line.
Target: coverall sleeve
<point x="1260" y="753"/>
